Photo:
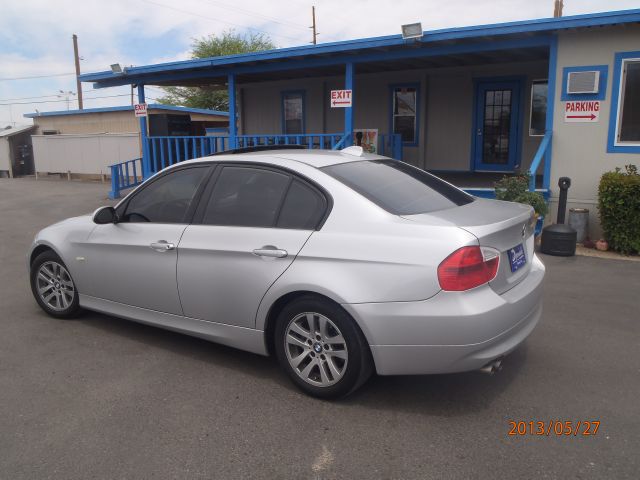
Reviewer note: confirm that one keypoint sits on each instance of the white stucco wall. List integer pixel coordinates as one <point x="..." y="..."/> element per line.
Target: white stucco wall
<point x="580" y="149"/>
<point x="85" y="154"/>
<point x="4" y="154"/>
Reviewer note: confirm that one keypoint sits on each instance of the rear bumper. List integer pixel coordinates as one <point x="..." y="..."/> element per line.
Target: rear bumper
<point x="452" y="331"/>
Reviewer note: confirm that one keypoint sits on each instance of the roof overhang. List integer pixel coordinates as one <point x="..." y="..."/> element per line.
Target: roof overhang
<point x="453" y="41"/>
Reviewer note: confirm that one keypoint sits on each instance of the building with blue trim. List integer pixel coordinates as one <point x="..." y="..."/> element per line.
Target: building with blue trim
<point x="554" y="96"/>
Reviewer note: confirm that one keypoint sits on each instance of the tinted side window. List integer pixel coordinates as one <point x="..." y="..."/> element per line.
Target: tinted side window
<point x="246" y="197"/>
<point x="303" y="208"/>
<point x="398" y="187"/>
<point x="167" y="199"/>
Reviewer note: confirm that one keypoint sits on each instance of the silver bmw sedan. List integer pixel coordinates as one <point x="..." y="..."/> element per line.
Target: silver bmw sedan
<point x="340" y="263"/>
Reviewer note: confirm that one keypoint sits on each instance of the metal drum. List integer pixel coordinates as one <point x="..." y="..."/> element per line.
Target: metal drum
<point x="579" y="221"/>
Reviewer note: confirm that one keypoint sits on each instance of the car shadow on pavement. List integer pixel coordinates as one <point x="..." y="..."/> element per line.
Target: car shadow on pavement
<point x="435" y="395"/>
<point x="445" y="395"/>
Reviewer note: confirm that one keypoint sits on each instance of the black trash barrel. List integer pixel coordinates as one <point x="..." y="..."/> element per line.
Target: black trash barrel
<point x="560" y="239"/>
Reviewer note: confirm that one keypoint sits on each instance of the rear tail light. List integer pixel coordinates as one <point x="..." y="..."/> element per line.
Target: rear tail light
<point x="468" y="267"/>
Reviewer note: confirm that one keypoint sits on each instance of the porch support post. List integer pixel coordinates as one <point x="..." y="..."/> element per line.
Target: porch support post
<point x="348" y="112"/>
<point x="233" y="126"/>
<point x="551" y="99"/>
<point x="146" y="161"/>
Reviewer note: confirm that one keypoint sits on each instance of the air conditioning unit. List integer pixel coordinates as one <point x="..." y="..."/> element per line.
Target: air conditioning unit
<point x="583" y="82"/>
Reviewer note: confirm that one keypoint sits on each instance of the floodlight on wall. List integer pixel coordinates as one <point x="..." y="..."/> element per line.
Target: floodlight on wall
<point x="116" y="69"/>
<point x="412" y="30"/>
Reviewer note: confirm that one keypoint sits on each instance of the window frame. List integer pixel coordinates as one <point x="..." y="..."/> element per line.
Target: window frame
<point x="534" y="82"/>
<point x="283" y="95"/>
<point x="205" y="198"/>
<point x="392" y="99"/>
<point x="121" y="207"/>
<point x="613" y="144"/>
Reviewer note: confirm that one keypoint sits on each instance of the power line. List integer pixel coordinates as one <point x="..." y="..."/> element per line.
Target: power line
<point x="255" y="14"/>
<point x="58" y="101"/>
<point x="37" y="76"/>
<point x="28" y="98"/>
<point x="198" y="15"/>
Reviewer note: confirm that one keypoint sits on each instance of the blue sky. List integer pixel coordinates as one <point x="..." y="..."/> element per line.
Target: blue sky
<point x="35" y="35"/>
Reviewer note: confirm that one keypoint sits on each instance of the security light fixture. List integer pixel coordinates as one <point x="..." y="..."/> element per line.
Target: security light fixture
<point x="116" y="69"/>
<point x="412" y="30"/>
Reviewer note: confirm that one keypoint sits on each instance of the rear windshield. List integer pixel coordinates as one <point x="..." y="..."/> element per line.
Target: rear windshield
<point x="398" y="187"/>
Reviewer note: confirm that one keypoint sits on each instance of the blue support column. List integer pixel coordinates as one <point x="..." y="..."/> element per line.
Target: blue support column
<point x="551" y="98"/>
<point x="146" y="161"/>
<point x="348" y="112"/>
<point x="233" y="124"/>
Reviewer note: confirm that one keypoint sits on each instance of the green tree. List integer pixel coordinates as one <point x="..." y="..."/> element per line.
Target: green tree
<point x="227" y="43"/>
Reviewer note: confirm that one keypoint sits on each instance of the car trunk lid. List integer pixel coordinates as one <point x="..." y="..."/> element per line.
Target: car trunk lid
<point x="503" y="226"/>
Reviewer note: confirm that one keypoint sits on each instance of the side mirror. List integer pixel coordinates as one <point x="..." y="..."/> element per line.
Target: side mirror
<point x="105" y="215"/>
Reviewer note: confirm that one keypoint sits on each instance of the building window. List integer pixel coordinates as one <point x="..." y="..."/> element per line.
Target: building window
<point x="538" y="119"/>
<point x="404" y="113"/>
<point x="624" y="119"/>
<point x="293" y="113"/>
<point x="629" y="104"/>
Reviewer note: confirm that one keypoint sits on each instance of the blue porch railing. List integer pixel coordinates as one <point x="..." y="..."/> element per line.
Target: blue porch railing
<point x="322" y="141"/>
<point x="125" y="175"/>
<point x="167" y="151"/>
<point x="537" y="160"/>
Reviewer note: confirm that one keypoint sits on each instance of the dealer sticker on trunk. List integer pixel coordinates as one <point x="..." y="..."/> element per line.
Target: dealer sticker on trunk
<point x="516" y="257"/>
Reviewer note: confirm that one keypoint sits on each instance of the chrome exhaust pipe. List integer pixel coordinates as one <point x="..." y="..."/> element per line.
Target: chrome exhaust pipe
<point x="492" y="367"/>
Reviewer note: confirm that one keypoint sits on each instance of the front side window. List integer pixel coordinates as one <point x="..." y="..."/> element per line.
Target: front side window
<point x="539" y="90"/>
<point x="398" y="187"/>
<point x="629" y="103"/>
<point x="293" y="113"/>
<point x="167" y="199"/>
<point x="405" y="105"/>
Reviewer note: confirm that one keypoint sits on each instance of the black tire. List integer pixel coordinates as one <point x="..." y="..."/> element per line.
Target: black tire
<point x="352" y="372"/>
<point x="65" y="300"/>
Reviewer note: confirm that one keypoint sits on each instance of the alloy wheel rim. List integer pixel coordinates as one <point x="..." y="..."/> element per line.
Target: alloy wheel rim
<point x="316" y="349"/>
<point x="55" y="287"/>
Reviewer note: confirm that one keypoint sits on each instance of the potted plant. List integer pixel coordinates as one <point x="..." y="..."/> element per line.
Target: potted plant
<point x="515" y="188"/>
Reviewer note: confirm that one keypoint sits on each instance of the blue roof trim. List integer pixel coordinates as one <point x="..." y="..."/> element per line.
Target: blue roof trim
<point x="290" y="53"/>
<point x="152" y="106"/>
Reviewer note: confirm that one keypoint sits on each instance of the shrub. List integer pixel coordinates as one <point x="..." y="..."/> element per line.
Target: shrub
<point x="619" y="209"/>
<point x="516" y="189"/>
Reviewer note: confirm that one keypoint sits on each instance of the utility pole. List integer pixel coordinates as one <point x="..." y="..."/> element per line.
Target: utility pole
<point x="77" y="60"/>
<point x="313" y="26"/>
<point x="557" y="9"/>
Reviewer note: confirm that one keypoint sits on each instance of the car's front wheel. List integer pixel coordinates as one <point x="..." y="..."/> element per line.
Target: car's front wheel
<point x="53" y="287"/>
<point x="321" y="348"/>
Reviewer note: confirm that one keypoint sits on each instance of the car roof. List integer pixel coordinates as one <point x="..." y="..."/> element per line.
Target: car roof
<point x="313" y="158"/>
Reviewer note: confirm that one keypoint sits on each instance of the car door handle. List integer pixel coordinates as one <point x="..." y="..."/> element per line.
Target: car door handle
<point x="162" y="246"/>
<point x="270" y="251"/>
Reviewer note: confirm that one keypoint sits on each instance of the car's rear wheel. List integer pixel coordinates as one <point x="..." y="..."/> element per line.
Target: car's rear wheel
<point x="321" y="348"/>
<point x="53" y="287"/>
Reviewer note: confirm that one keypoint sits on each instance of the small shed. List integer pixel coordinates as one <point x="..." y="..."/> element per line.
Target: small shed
<point x="84" y="143"/>
<point x="16" y="156"/>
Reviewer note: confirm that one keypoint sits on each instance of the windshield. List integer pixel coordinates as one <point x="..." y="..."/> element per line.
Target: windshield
<point x="398" y="187"/>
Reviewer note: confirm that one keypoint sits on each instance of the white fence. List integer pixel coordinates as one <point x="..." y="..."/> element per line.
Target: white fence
<point x="84" y="154"/>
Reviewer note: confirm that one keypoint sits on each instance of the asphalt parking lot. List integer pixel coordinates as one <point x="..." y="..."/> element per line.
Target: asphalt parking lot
<point x="100" y="397"/>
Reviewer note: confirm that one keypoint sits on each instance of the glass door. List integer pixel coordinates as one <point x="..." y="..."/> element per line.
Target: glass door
<point x="496" y="135"/>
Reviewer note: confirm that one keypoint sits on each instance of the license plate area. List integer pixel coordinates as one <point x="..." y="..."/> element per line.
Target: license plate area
<point x="517" y="258"/>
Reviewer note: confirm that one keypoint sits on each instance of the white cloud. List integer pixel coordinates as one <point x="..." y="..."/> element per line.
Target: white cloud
<point x="35" y="35"/>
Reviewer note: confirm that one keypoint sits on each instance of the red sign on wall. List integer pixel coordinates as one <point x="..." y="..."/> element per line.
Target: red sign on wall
<point x="341" y="98"/>
<point x="586" y="111"/>
<point x="140" y="109"/>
